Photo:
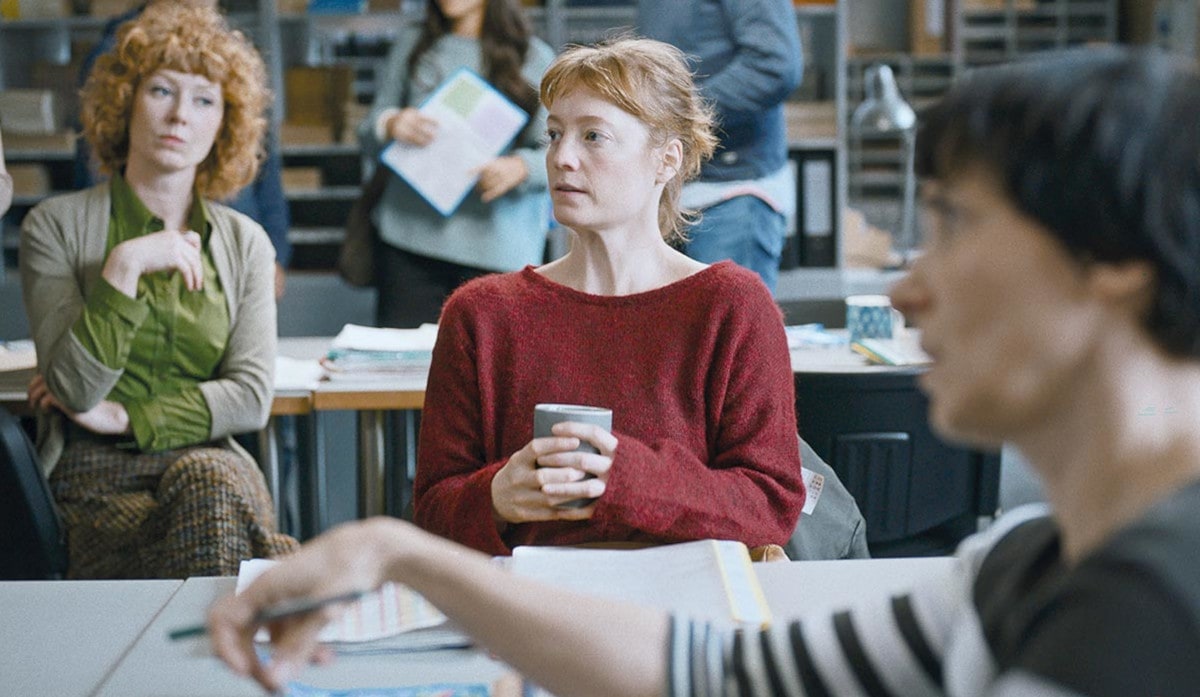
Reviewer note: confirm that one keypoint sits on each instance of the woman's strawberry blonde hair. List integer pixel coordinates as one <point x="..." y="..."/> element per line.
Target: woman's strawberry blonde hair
<point x="188" y="39"/>
<point x="650" y="80"/>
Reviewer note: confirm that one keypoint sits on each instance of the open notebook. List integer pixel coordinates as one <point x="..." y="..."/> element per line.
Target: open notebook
<point x="707" y="579"/>
<point x="392" y="619"/>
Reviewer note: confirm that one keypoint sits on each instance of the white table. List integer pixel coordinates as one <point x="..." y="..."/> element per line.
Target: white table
<point x="800" y="588"/>
<point x="163" y="668"/>
<point x="63" y="637"/>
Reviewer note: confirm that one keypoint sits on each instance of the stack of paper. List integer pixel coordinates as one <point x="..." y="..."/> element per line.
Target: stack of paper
<point x="708" y="579"/>
<point x="369" y="352"/>
<point x="18" y="364"/>
<point x="392" y="619"/>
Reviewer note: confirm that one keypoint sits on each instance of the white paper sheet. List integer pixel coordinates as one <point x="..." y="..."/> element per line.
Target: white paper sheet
<point x="475" y="124"/>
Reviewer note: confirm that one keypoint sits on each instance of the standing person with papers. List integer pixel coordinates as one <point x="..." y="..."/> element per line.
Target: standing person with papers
<point x="6" y="183"/>
<point x="501" y="226"/>
<point x="1059" y="295"/>
<point x="691" y="359"/>
<point x="153" y="310"/>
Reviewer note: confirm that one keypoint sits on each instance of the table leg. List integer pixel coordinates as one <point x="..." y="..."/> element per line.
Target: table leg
<point x="314" y="498"/>
<point x="402" y="469"/>
<point x="268" y="457"/>
<point x="372" y="492"/>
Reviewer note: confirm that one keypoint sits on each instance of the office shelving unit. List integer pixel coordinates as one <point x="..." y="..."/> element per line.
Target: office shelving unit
<point x="985" y="35"/>
<point x="360" y="42"/>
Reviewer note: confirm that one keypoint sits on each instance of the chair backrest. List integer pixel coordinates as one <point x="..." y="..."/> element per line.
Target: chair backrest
<point x="835" y="529"/>
<point x="31" y="536"/>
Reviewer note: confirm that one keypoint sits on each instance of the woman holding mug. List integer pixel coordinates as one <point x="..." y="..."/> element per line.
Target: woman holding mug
<point x="691" y="359"/>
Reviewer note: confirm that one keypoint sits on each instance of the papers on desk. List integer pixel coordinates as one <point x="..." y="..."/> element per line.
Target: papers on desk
<point x="707" y="579"/>
<point x="18" y="364"/>
<point x="355" y="337"/>
<point x="810" y="335"/>
<point x="297" y="374"/>
<point x="905" y="349"/>
<point x="368" y="352"/>
<point x="475" y="123"/>
<point x="392" y="619"/>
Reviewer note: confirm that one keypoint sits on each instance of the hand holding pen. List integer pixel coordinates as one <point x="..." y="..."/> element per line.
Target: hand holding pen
<point x="275" y="613"/>
<point x="295" y="600"/>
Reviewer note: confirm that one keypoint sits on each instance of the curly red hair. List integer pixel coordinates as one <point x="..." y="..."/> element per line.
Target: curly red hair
<point x="188" y="39"/>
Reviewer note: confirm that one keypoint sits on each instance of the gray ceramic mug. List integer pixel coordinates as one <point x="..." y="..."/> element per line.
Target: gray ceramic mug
<point x="546" y="415"/>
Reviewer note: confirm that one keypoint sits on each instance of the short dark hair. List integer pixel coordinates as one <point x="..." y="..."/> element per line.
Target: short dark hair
<point x="1102" y="147"/>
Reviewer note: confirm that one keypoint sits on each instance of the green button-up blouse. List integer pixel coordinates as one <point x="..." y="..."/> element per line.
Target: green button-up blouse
<point x="167" y="340"/>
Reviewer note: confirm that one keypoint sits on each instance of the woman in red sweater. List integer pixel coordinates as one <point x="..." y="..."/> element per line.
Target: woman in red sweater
<point x="692" y="359"/>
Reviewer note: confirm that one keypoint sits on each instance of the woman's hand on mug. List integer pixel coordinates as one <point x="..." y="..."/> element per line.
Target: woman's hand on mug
<point x="411" y="127"/>
<point x="500" y="176"/>
<point x="168" y="250"/>
<point x="518" y="489"/>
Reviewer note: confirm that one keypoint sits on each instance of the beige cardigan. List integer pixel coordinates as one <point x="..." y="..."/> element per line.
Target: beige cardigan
<point x="61" y="257"/>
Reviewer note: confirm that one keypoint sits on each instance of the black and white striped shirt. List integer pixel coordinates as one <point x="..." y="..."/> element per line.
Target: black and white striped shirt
<point x="1010" y="619"/>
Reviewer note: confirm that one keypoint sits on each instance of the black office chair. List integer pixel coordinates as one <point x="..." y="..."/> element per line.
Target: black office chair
<point x="32" y="540"/>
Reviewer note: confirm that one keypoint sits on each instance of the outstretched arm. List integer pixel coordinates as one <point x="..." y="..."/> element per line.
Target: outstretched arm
<point x="570" y="644"/>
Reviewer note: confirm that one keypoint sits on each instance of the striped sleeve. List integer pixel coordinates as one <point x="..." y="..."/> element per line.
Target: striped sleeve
<point x="878" y="650"/>
<point x="926" y="642"/>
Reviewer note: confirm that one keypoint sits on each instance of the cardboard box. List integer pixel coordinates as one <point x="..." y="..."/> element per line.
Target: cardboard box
<point x="316" y="96"/>
<point x="28" y="111"/>
<point x="997" y="4"/>
<point x="35" y="9"/>
<point x="928" y="27"/>
<point x="112" y="8"/>
<point x="305" y="134"/>
<point x="29" y="179"/>
<point x="62" y="142"/>
<point x="810" y="120"/>
<point x="301" y="178"/>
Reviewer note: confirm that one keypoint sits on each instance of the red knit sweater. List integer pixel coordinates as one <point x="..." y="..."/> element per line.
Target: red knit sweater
<point x="699" y="380"/>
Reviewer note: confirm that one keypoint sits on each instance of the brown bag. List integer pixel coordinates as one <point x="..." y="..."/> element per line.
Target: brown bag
<point x="356" y="260"/>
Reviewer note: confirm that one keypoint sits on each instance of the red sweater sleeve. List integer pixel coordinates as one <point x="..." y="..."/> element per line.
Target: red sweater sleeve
<point x="453" y="488"/>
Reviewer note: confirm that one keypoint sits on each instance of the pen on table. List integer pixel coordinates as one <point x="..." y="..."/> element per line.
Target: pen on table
<point x="288" y="608"/>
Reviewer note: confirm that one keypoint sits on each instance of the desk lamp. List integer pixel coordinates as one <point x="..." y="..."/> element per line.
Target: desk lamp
<point x="884" y="115"/>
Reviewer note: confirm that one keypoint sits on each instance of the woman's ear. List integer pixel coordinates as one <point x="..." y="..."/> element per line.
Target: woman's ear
<point x="672" y="160"/>
<point x="1127" y="283"/>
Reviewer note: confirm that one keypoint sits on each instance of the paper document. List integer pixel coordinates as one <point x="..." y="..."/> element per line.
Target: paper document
<point x="475" y="124"/>
<point x="297" y="373"/>
<point x="360" y="338"/>
<point x="393" y="618"/>
<point x="17" y="355"/>
<point x="707" y="579"/>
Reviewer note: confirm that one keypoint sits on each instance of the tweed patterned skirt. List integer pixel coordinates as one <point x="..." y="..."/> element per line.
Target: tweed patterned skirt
<point x="195" y="511"/>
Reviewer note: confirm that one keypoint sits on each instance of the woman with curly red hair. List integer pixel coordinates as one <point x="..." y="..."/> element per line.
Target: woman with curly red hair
<point x="153" y="311"/>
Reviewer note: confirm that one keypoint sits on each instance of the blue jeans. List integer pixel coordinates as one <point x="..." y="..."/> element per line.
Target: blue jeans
<point x="744" y="229"/>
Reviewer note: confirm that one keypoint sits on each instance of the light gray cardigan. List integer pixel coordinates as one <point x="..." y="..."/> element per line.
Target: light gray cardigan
<point x="61" y="257"/>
